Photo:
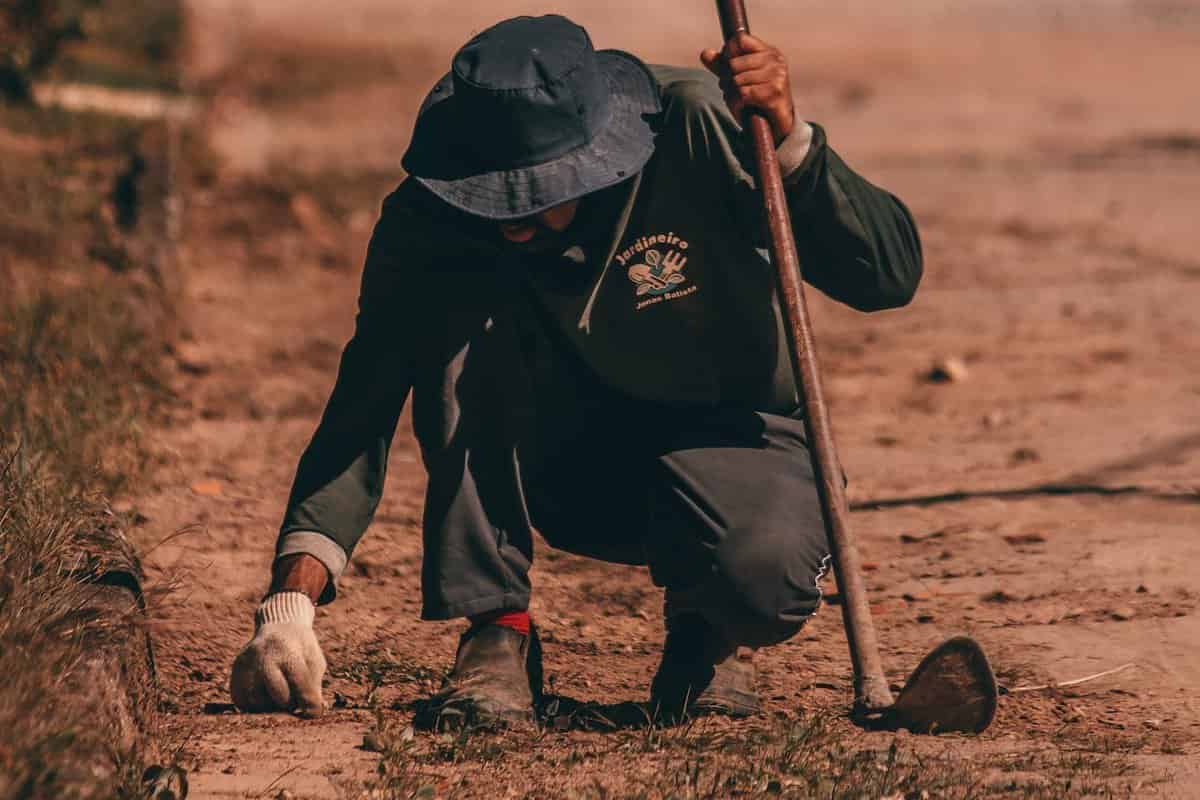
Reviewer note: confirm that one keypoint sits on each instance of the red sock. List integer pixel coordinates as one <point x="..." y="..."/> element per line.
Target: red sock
<point x="517" y="620"/>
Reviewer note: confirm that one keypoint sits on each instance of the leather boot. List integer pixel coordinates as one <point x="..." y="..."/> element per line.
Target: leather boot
<point x="496" y="681"/>
<point x="702" y="674"/>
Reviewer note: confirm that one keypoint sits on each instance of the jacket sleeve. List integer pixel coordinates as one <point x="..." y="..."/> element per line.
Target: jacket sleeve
<point x="340" y="476"/>
<point x="857" y="243"/>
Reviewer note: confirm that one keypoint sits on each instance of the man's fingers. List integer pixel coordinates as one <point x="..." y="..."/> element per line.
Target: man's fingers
<point x="756" y="77"/>
<point x="245" y="684"/>
<point x="711" y="59"/>
<point x="753" y="61"/>
<point x="756" y="96"/>
<point x="308" y="685"/>
<point x="309" y="701"/>
<point x="743" y="43"/>
<point x="277" y="686"/>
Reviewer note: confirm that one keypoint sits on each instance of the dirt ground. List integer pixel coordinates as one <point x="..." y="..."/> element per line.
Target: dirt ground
<point x="1052" y="161"/>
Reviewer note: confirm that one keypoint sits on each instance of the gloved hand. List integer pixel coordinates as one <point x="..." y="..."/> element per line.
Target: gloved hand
<point x="282" y="666"/>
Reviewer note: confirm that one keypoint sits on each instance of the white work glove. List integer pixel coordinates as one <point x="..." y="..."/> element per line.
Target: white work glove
<point x="282" y="666"/>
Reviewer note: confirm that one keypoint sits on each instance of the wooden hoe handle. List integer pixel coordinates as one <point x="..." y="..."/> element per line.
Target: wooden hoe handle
<point x="871" y="694"/>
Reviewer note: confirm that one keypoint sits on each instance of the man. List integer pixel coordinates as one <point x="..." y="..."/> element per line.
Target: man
<point x="573" y="284"/>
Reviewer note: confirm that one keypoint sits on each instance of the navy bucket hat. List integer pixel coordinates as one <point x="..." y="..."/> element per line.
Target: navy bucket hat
<point x="530" y="116"/>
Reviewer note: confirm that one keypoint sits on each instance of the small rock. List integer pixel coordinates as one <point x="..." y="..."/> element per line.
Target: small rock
<point x="1152" y="724"/>
<point x="994" y="419"/>
<point x="925" y="617"/>
<point x="1025" y="455"/>
<point x="372" y="742"/>
<point x="1141" y="589"/>
<point x="914" y="591"/>
<point x="916" y="538"/>
<point x="192" y="359"/>
<point x="1123" y="613"/>
<point x="947" y="370"/>
<point x="284" y="794"/>
<point x="1017" y="539"/>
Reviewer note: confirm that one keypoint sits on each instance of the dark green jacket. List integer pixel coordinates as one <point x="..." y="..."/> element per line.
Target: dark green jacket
<point x="665" y="293"/>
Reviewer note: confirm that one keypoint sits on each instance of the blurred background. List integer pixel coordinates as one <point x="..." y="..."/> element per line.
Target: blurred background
<point x="186" y="192"/>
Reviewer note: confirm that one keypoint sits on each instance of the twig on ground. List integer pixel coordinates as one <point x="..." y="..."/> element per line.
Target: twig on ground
<point x="1074" y="682"/>
<point x="278" y="778"/>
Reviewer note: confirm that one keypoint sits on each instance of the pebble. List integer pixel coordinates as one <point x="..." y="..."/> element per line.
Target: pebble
<point x="1025" y="455"/>
<point x="192" y="359"/>
<point x="994" y="419"/>
<point x="948" y="370"/>
<point x="1123" y="613"/>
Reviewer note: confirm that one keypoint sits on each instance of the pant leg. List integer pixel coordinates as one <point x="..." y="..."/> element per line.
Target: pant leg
<point x="471" y="401"/>
<point x="735" y="531"/>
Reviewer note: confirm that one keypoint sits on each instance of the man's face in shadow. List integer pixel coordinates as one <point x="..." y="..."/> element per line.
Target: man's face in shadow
<point x="542" y="231"/>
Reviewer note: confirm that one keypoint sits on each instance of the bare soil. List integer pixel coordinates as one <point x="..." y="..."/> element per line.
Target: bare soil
<point x="1054" y="168"/>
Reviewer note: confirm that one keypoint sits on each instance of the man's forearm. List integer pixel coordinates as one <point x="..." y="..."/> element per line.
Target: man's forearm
<point x="299" y="572"/>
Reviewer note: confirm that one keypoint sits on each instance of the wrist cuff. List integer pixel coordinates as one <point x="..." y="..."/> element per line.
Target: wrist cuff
<point x="320" y="547"/>
<point x="793" y="151"/>
<point x="285" y="607"/>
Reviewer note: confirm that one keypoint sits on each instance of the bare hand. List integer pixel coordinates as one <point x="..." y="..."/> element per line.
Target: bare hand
<point x="754" y="75"/>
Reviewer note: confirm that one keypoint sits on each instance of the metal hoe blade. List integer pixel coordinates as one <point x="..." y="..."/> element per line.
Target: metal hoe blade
<point x="952" y="690"/>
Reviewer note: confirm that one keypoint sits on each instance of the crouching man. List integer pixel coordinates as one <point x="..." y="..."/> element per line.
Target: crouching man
<point x="573" y="284"/>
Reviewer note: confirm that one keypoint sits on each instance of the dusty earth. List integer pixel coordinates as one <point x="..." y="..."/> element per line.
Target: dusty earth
<point x="1052" y="159"/>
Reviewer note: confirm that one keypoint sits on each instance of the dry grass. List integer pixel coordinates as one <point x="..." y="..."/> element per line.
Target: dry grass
<point x="76" y="382"/>
<point x="818" y="755"/>
<point x="815" y="755"/>
<point x="80" y="354"/>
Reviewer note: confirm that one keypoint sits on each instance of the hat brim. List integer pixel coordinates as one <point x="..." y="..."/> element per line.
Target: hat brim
<point x="616" y="152"/>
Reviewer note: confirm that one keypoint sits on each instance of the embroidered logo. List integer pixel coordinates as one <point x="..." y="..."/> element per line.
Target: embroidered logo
<point x="658" y="275"/>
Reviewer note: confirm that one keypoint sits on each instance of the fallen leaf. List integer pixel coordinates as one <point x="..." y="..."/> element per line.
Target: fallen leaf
<point x="209" y="488"/>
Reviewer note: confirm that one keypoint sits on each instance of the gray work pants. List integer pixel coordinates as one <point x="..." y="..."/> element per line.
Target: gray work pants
<point x="720" y="503"/>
